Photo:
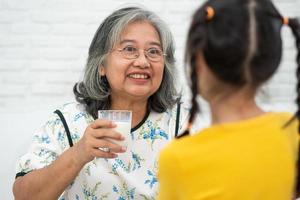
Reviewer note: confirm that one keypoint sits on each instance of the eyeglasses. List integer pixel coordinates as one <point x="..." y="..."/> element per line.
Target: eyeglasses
<point x="153" y="54"/>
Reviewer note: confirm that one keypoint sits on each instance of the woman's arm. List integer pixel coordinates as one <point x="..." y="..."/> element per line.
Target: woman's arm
<point x="48" y="182"/>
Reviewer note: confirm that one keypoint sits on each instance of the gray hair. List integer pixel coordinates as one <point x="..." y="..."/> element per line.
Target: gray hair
<point x="94" y="90"/>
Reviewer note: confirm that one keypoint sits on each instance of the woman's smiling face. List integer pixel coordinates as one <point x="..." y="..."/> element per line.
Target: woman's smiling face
<point x="135" y="77"/>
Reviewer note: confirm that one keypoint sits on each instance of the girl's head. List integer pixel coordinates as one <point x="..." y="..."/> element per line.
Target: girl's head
<point x="240" y="40"/>
<point x="234" y="44"/>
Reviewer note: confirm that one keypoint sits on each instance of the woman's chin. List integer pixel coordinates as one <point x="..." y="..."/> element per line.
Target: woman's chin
<point x="140" y="93"/>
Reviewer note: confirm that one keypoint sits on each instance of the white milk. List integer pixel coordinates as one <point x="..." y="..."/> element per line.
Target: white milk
<point x="122" y="118"/>
<point x="124" y="129"/>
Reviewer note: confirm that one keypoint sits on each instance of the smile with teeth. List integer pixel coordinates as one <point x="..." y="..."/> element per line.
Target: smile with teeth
<point x="139" y="76"/>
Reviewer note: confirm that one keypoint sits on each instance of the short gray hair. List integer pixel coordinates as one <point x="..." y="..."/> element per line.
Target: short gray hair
<point x="94" y="90"/>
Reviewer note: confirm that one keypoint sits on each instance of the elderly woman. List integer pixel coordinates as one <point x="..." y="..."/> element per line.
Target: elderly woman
<point x="130" y="67"/>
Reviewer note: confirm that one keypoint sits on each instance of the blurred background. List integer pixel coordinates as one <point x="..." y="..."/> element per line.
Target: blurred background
<point x="43" y="49"/>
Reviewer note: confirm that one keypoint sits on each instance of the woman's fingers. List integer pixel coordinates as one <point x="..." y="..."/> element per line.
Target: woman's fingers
<point x="102" y="123"/>
<point x="104" y="128"/>
<point x="101" y="154"/>
<point x="108" y="145"/>
<point x="107" y="133"/>
<point x="99" y="134"/>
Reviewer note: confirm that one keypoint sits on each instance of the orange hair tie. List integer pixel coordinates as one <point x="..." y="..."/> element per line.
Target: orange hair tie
<point x="210" y="12"/>
<point x="285" y="20"/>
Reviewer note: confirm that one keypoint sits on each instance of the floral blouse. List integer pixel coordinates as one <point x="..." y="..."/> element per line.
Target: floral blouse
<point x="132" y="175"/>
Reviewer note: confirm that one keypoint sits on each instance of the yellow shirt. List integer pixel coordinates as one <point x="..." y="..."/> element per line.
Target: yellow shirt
<point x="253" y="159"/>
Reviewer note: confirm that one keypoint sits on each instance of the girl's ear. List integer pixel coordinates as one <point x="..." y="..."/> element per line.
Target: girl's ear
<point x="102" y="70"/>
<point x="200" y="63"/>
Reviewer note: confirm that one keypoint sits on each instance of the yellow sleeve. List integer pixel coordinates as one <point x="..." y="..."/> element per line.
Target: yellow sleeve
<point x="168" y="176"/>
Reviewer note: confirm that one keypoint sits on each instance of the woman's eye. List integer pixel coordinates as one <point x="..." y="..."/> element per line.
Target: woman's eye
<point x="129" y="49"/>
<point x="154" y="51"/>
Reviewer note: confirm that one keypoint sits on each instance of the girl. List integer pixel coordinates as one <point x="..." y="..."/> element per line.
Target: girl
<point x="234" y="47"/>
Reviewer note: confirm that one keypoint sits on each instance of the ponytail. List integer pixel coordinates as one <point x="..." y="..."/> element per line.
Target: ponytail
<point x="294" y="24"/>
<point x="195" y="107"/>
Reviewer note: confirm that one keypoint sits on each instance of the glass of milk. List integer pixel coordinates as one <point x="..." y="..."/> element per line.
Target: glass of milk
<point x="122" y="118"/>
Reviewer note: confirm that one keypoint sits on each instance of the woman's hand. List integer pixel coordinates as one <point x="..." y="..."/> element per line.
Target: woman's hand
<point x="96" y="136"/>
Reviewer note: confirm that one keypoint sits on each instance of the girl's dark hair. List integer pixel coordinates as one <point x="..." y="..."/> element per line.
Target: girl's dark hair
<point x="241" y="44"/>
<point x="295" y="26"/>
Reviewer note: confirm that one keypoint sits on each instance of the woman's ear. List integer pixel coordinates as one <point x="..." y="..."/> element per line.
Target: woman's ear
<point x="101" y="70"/>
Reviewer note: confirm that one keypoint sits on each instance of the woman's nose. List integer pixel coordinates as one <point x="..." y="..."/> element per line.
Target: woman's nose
<point x="142" y="60"/>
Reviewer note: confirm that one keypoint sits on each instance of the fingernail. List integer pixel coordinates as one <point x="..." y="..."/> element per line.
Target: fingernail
<point x="113" y="124"/>
<point x="122" y="137"/>
<point x="124" y="148"/>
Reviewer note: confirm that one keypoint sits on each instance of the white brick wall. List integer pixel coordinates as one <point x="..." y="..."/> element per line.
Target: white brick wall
<point x="43" y="48"/>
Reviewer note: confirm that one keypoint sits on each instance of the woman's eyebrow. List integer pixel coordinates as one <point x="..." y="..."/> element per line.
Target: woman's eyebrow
<point x="155" y="43"/>
<point x="133" y="41"/>
<point x="127" y="41"/>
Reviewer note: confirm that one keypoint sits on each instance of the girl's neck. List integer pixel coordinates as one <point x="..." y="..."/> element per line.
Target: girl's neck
<point x="236" y="106"/>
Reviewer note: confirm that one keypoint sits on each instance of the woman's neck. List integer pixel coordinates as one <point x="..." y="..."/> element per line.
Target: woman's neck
<point x="138" y="108"/>
<point x="234" y="106"/>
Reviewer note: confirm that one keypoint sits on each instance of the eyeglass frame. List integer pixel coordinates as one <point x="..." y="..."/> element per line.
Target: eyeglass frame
<point x="121" y="50"/>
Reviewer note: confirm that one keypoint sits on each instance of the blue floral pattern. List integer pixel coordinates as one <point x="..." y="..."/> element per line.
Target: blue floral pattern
<point x="133" y="164"/>
<point x="151" y="132"/>
<point x="90" y="193"/>
<point x="42" y="138"/>
<point x="124" y="192"/>
<point x="152" y="179"/>
<point x="137" y="160"/>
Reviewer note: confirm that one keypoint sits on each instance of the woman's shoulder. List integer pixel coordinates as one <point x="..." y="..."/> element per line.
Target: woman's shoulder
<point x="72" y="111"/>
<point x="71" y="106"/>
